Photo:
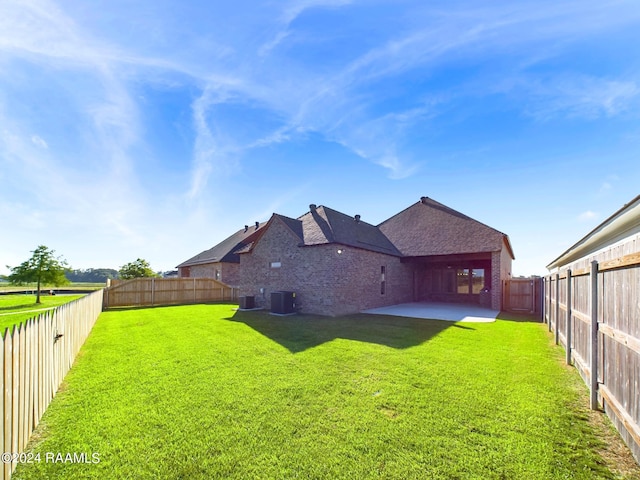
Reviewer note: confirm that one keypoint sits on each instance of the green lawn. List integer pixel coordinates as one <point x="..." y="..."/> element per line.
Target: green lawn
<point x="31" y="287"/>
<point x="205" y="392"/>
<point x="17" y="308"/>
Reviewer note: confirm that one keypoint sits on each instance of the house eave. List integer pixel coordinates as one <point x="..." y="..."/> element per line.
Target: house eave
<point x="340" y="244"/>
<point x="200" y="262"/>
<point x="612" y="229"/>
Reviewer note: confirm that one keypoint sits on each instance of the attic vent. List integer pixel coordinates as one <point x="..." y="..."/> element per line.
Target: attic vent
<point x="246" y="227"/>
<point x="312" y="207"/>
<point x="357" y="218"/>
<point x="257" y="225"/>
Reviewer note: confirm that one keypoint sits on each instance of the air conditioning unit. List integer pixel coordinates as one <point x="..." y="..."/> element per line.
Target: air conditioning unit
<point x="283" y="302"/>
<point x="247" y="302"/>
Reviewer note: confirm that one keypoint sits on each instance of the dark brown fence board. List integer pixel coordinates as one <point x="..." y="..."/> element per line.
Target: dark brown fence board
<point x="604" y="317"/>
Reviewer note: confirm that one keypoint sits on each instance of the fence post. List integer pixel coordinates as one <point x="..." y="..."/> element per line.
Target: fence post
<point x="543" y="298"/>
<point x="594" y="336"/>
<point x="153" y="290"/>
<point x="548" y="312"/>
<point x="557" y="313"/>
<point x="568" y="336"/>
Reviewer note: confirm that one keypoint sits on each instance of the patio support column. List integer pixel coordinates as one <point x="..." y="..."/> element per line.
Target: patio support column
<point x="496" y="282"/>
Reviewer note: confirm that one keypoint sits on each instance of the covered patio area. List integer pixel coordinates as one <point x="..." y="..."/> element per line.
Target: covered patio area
<point x="452" y="312"/>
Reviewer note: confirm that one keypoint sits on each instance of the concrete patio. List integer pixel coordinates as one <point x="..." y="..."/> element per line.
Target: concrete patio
<point x="452" y="312"/>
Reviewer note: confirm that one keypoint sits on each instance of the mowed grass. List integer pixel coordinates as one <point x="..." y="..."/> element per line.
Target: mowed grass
<point x="205" y="392"/>
<point x="17" y="308"/>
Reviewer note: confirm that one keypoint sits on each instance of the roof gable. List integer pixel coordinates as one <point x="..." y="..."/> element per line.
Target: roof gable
<point x="431" y="228"/>
<point x="292" y="224"/>
<point x="226" y="251"/>
<point x="425" y="228"/>
<point x="323" y="225"/>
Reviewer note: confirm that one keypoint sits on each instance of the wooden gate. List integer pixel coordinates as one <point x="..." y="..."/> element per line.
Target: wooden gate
<point x="522" y="295"/>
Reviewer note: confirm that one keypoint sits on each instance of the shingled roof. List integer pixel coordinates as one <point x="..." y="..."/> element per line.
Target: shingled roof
<point x="226" y="251"/>
<point x="425" y="228"/>
<point x="322" y="225"/>
<point x="431" y="228"/>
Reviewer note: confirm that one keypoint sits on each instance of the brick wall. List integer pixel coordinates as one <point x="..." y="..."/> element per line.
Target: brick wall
<point x="326" y="282"/>
<point x="500" y="271"/>
<point x="228" y="273"/>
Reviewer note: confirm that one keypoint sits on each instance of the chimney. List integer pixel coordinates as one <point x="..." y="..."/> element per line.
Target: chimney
<point x="246" y="227"/>
<point x="312" y="207"/>
<point x="357" y="218"/>
<point x="257" y="225"/>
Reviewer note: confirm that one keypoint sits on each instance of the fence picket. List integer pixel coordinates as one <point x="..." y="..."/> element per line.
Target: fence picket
<point x="33" y="368"/>
<point x="8" y="404"/>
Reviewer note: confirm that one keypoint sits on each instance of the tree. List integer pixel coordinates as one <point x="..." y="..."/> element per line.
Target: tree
<point x="91" y="275"/>
<point x="138" y="269"/>
<point x="43" y="268"/>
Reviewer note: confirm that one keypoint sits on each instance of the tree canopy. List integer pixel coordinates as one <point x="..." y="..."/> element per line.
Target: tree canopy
<point x="138" y="269"/>
<point x="42" y="268"/>
<point x="91" y="275"/>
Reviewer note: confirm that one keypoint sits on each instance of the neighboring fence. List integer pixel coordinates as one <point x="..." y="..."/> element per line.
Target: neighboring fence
<point x="595" y="314"/>
<point x="167" y="291"/>
<point x="523" y="295"/>
<point x="35" y="357"/>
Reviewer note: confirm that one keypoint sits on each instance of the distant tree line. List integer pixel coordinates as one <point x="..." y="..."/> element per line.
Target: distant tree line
<point x="44" y="268"/>
<point x="91" y="275"/>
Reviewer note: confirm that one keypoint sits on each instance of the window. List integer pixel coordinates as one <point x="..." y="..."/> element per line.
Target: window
<point x="462" y="282"/>
<point x="382" y="280"/>
<point x="470" y="281"/>
<point x="477" y="280"/>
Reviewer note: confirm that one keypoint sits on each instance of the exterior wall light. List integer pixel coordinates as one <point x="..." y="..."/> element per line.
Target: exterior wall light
<point x="340" y="251"/>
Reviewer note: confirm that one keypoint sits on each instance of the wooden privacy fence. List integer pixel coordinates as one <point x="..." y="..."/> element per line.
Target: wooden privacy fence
<point x="167" y="291"/>
<point x="35" y="357"/>
<point x="595" y="314"/>
<point x="523" y="295"/>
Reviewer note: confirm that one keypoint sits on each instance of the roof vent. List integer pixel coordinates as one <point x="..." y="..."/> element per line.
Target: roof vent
<point x="257" y="225"/>
<point x="424" y="200"/>
<point x="312" y="207"/>
<point x="357" y="218"/>
<point x="246" y="227"/>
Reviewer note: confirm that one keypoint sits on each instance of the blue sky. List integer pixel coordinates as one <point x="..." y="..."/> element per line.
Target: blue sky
<point x="155" y="129"/>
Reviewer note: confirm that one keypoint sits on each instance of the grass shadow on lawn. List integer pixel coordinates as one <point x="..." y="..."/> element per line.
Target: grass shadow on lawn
<point x="21" y="306"/>
<point x="301" y="332"/>
<point x="519" y="317"/>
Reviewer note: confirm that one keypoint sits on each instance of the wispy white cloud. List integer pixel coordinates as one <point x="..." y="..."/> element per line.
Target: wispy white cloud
<point x="607" y="186"/>
<point x="211" y="154"/>
<point x="572" y="95"/>
<point x="587" y="216"/>
<point x="102" y="195"/>
<point x="289" y="13"/>
<point x="373" y="91"/>
<point x="39" y="141"/>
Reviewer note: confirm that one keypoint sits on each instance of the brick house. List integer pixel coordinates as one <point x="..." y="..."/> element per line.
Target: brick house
<point x="454" y="258"/>
<point x="221" y="261"/>
<point x="338" y="264"/>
